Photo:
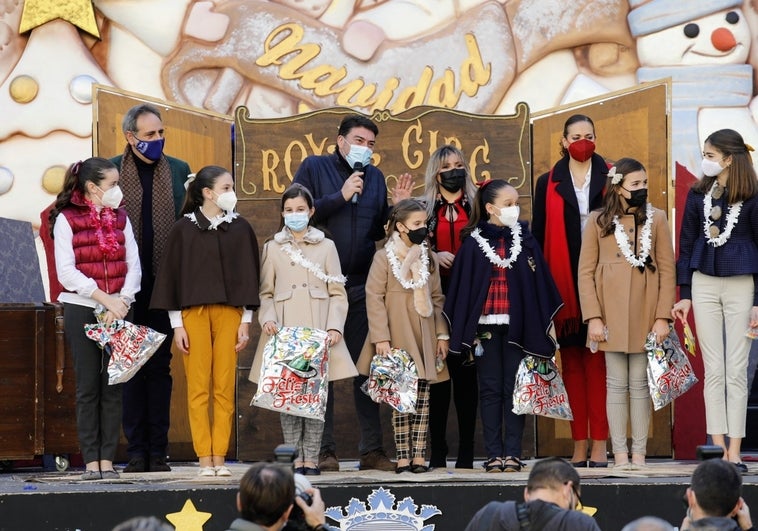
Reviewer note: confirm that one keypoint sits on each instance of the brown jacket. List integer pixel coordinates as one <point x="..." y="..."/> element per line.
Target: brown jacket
<point x="293" y="296"/>
<point x="627" y="300"/>
<point x="392" y="317"/>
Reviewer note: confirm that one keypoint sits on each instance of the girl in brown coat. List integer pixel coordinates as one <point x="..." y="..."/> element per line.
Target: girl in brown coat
<point x="404" y="304"/>
<point x="626" y="290"/>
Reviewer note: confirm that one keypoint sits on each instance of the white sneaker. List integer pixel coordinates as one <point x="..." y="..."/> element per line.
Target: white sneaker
<point x="207" y="471"/>
<point x="223" y="471"/>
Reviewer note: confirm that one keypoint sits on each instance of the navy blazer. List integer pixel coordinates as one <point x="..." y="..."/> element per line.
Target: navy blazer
<point x="738" y="256"/>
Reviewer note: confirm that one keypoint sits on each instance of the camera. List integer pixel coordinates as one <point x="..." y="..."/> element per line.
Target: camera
<point x="709" y="451"/>
<point x="286" y="455"/>
<point x="296" y="521"/>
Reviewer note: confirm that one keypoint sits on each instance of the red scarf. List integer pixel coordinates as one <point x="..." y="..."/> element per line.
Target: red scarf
<point x="568" y="319"/>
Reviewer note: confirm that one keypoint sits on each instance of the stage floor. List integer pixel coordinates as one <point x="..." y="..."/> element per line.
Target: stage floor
<point x="40" y="500"/>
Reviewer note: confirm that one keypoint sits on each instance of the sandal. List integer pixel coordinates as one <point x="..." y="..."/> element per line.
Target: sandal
<point x="494" y="464"/>
<point x="513" y="464"/>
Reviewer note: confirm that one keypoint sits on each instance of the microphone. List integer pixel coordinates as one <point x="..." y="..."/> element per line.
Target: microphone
<point x="358" y="166"/>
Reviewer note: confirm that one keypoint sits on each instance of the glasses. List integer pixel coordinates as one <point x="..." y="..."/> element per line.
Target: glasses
<point x="578" y="506"/>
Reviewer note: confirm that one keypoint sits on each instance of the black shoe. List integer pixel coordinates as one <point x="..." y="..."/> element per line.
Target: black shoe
<point x="136" y="464"/>
<point x="158" y="464"/>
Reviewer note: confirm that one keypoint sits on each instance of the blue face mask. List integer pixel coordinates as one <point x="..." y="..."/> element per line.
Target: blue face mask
<point x="151" y="149"/>
<point x="357" y="154"/>
<point x="296" y="221"/>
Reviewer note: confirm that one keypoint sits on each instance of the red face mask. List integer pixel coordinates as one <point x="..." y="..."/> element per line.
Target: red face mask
<point x="581" y="150"/>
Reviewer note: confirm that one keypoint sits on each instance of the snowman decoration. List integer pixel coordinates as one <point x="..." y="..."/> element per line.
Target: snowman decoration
<point x="703" y="45"/>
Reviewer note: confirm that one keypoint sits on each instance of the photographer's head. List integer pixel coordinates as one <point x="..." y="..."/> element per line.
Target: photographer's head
<point x="554" y="480"/>
<point x="715" y="489"/>
<point x="266" y="494"/>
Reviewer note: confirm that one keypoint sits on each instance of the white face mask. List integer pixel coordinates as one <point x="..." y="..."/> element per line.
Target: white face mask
<point x="111" y="197"/>
<point x="710" y="168"/>
<point x="357" y="154"/>
<point x="509" y="215"/>
<point x="226" y="201"/>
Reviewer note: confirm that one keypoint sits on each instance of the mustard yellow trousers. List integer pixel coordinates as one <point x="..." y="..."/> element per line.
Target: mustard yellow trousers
<point x="211" y="371"/>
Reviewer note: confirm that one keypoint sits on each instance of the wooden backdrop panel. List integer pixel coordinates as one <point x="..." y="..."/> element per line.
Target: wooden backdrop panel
<point x="630" y="123"/>
<point x="199" y="137"/>
<point x="267" y="155"/>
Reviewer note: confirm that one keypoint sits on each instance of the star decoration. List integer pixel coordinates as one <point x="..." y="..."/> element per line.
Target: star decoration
<point x="80" y="13"/>
<point x="189" y="518"/>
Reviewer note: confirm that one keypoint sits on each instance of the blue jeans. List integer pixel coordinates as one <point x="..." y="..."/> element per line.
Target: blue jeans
<point x="496" y="369"/>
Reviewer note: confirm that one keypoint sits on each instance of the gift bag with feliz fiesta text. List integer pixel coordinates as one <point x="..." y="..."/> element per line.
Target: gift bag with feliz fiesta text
<point x="669" y="371"/>
<point x="294" y="373"/>
<point x="539" y="390"/>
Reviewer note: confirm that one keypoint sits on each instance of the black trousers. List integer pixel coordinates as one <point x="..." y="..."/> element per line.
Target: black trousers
<point x="465" y="393"/>
<point x="147" y="396"/>
<point x="98" y="405"/>
<point x="369" y="420"/>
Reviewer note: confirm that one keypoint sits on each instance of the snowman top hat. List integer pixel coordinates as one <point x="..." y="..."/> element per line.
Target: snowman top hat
<point x="649" y="16"/>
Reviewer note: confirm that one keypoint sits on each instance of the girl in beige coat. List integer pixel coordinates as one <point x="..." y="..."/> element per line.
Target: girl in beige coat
<point x="302" y="285"/>
<point x="626" y="290"/>
<point x="404" y="304"/>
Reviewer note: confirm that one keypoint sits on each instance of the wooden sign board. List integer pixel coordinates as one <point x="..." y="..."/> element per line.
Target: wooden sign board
<point x="267" y="155"/>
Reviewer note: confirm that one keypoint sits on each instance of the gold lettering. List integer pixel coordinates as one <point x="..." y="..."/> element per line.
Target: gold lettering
<point x="284" y="50"/>
<point x="473" y="72"/>
<point x="317" y="149"/>
<point x="414" y="96"/>
<point x="414" y="132"/>
<point x="289" y="45"/>
<point x="295" y="144"/>
<point x="269" y="163"/>
<point x="322" y="79"/>
<point x="484" y="152"/>
<point x="385" y="96"/>
<point x="442" y="92"/>
<point x="355" y="94"/>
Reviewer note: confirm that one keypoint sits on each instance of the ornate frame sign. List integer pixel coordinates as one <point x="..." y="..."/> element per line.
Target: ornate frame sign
<point x="383" y="512"/>
<point x="269" y="151"/>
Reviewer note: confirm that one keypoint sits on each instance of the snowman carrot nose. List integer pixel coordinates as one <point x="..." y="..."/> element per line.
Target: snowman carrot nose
<point x="723" y="40"/>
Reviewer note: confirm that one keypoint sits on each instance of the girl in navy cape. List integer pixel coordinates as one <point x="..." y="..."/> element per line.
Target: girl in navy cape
<point x="501" y="298"/>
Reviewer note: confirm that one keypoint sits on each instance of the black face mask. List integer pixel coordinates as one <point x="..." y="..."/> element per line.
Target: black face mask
<point x="638" y="197"/>
<point x="417" y="236"/>
<point x="453" y="180"/>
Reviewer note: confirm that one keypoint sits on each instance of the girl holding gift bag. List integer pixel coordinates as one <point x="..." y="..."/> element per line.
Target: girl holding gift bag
<point x="404" y="304"/>
<point x="97" y="261"/>
<point x="501" y="301"/>
<point x="717" y="273"/>
<point x="302" y="285"/>
<point x="627" y="290"/>
<point x="208" y="282"/>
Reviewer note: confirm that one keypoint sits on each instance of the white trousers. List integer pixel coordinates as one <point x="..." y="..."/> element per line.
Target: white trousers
<point x="722" y="304"/>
